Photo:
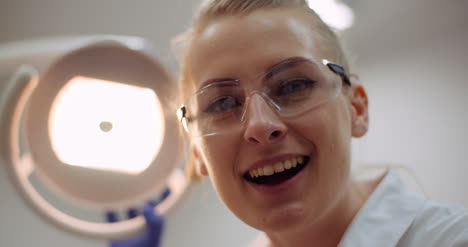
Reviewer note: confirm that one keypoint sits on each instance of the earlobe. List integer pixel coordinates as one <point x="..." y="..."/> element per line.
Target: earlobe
<point x="201" y="168"/>
<point x="199" y="164"/>
<point x="360" y="112"/>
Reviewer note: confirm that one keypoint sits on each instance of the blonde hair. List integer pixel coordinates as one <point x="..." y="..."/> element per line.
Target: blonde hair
<point x="213" y="9"/>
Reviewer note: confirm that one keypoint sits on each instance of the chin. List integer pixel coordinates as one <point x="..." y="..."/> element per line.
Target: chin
<point x="282" y="218"/>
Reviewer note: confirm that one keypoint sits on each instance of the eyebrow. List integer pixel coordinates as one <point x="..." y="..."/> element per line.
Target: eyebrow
<point x="285" y="64"/>
<point x="271" y="71"/>
<point x="218" y="82"/>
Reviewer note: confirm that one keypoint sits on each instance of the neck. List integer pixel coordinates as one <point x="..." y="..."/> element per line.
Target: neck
<point x="328" y="230"/>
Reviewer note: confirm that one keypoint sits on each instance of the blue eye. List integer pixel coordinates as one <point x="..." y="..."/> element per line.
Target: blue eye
<point x="222" y="104"/>
<point x="294" y="86"/>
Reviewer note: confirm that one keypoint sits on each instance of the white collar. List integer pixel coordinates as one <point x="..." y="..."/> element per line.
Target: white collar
<point x="385" y="216"/>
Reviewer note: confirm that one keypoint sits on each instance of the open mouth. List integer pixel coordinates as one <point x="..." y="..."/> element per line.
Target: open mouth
<point x="277" y="173"/>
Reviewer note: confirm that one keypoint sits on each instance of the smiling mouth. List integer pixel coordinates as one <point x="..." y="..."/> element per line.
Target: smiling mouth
<point x="277" y="173"/>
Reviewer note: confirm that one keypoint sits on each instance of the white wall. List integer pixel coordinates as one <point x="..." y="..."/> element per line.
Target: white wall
<point x="418" y="113"/>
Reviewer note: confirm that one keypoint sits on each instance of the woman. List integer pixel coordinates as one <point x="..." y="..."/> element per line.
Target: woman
<point x="270" y="110"/>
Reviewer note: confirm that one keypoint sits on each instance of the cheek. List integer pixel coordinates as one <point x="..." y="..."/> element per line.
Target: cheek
<point x="336" y="134"/>
<point x="328" y="126"/>
<point x="328" y="129"/>
<point x="219" y="155"/>
<point x="335" y="154"/>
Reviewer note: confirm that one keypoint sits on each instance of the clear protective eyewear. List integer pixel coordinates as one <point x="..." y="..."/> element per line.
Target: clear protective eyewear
<point x="291" y="87"/>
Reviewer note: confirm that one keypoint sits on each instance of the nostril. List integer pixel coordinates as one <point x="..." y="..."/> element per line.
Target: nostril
<point x="265" y="137"/>
<point x="275" y="134"/>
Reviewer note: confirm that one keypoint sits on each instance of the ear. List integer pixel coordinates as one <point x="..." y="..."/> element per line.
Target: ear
<point x="200" y="166"/>
<point x="360" y="112"/>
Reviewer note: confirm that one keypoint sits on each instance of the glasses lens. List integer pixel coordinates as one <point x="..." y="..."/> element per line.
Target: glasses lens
<point x="296" y="86"/>
<point x="216" y="107"/>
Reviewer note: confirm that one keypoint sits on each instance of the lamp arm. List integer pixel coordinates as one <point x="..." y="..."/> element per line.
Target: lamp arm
<point x="13" y="102"/>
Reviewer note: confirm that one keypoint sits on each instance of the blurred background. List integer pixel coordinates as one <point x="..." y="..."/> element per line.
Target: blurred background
<point x="410" y="55"/>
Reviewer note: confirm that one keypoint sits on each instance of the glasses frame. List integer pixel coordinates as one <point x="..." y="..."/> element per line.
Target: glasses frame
<point x="334" y="67"/>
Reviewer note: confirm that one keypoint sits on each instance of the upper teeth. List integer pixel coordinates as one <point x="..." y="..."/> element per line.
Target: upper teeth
<point x="275" y="168"/>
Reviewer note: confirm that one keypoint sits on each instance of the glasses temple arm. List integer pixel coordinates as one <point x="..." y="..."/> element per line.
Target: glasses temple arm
<point x="339" y="70"/>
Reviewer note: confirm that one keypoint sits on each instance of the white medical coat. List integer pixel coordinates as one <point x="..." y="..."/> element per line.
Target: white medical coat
<point x="395" y="217"/>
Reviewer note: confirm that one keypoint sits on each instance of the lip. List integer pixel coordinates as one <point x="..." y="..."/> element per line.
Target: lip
<point x="270" y="161"/>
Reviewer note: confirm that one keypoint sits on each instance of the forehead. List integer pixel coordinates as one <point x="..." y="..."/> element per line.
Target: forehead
<point x="238" y="46"/>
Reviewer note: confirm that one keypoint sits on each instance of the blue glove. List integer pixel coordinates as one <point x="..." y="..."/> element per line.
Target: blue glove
<point x="154" y="227"/>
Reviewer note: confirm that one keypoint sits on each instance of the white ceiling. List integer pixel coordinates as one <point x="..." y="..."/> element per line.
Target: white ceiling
<point x="387" y="26"/>
<point x="381" y="26"/>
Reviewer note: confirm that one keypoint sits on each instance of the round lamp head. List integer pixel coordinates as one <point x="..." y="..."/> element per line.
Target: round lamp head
<point x="100" y="125"/>
<point x="99" y="129"/>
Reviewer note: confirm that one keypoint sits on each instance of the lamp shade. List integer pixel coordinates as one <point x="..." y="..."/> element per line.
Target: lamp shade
<point x="95" y="119"/>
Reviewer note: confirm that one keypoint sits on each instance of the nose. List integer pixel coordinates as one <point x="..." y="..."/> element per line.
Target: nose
<point x="262" y="123"/>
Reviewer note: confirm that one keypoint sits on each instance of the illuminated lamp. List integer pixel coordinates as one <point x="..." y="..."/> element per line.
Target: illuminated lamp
<point x="335" y="13"/>
<point x="94" y="118"/>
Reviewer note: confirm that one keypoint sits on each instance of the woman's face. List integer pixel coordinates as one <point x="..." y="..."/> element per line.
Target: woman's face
<point x="241" y="48"/>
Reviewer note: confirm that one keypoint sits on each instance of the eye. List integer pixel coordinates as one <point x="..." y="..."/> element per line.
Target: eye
<point x="294" y="86"/>
<point x="222" y="104"/>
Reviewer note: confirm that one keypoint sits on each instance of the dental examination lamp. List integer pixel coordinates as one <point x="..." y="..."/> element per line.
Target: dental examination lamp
<point x="92" y="118"/>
